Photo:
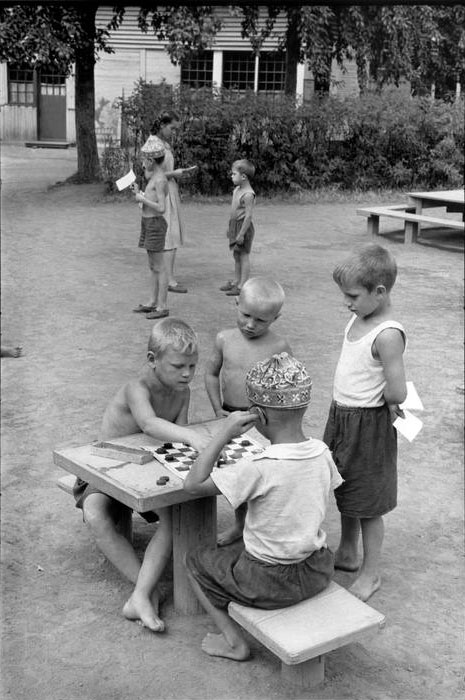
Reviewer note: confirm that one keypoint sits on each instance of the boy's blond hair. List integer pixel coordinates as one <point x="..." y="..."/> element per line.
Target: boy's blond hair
<point x="369" y="267"/>
<point x="264" y="289"/>
<point x="244" y="167"/>
<point x="174" y="332"/>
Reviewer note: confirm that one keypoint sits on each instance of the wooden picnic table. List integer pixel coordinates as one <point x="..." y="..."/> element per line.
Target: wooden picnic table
<point x="452" y="200"/>
<point x="135" y="485"/>
<point x="411" y="213"/>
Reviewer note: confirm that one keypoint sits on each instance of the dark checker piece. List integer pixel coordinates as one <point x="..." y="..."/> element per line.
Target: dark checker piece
<point x="171" y="458"/>
<point x="168" y="445"/>
<point x="245" y="443"/>
<point x="161" y="450"/>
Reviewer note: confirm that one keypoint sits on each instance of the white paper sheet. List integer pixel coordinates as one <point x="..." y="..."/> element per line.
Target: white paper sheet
<point x="412" y="401"/>
<point x="409" y="426"/>
<point x="126" y="180"/>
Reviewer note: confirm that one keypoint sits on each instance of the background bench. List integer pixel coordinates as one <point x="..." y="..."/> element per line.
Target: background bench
<point x="302" y="634"/>
<point x="405" y="213"/>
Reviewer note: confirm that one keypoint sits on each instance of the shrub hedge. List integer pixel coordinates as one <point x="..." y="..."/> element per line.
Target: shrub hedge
<point x="387" y="140"/>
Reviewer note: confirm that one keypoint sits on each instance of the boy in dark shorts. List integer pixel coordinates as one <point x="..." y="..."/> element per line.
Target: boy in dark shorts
<point x="153" y="225"/>
<point x="241" y="230"/>
<point x="369" y="385"/>
<point x="156" y="403"/>
<point x="283" y="557"/>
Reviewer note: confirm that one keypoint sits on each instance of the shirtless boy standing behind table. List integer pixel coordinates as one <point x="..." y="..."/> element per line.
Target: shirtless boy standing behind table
<point x="238" y="349"/>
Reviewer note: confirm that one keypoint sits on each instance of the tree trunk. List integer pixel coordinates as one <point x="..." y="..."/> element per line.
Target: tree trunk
<point x="86" y="142"/>
<point x="292" y="51"/>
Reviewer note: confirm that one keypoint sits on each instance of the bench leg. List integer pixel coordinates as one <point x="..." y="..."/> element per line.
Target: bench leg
<point x="411" y="232"/>
<point x="373" y="225"/>
<point x="304" y="675"/>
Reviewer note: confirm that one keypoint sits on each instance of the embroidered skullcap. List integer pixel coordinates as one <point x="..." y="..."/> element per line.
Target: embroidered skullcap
<point x="153" y="147"/>
<point x="279" y="382"/>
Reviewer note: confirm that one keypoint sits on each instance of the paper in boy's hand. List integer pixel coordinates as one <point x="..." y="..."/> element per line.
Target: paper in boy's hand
<point x="412" y="401"/>
<point x="126" y="180"/>
<point x="409" y="426"/>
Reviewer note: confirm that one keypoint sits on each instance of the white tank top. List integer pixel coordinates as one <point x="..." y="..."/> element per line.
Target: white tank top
<point x="359" y="379"/>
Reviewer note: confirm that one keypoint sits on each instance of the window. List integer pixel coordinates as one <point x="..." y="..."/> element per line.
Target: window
<point x="52" y="83"/>
<point x="238" y="70"/>
<point x="197" y="72"/>
<point x="271" y="71"/>
<point x="20" y="85"/>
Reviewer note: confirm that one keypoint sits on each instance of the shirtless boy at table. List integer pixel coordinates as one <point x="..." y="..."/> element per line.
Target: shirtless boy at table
<point x="157" y="404"/>
<point x="238" y="349"/>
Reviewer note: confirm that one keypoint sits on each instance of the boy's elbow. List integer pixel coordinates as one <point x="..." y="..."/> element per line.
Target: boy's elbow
<point x="191" y="488"/>
<point x="395" y="397"/>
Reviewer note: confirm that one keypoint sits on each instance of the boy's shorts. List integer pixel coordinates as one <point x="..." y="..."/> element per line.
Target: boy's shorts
<point x="82" y="489"/>
<point x="230" y="573"/>
<point x="153" y="233"/>
<point x="234" y="228"/>
<point x="363" y="443"/>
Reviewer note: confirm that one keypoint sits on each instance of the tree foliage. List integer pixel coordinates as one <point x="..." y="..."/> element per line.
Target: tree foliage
<point x="419" y="43"/>
<point x="66" y="35"/>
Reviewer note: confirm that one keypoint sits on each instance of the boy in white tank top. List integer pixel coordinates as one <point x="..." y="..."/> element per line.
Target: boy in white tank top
<point x="369" y="385"/>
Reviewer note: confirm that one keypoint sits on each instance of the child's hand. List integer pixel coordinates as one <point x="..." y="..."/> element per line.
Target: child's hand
<point x="238" y="422"/>
<point x="196" y="440"/>
<point x="134" y="187"/>
<point x="139" y="196"/>
<point x="221" y="413"/>
<point x="396" y="412"/>
<point x="239" y="240"/>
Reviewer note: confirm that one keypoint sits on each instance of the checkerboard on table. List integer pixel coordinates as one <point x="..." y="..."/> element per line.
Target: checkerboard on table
<point x="178" y="457"/>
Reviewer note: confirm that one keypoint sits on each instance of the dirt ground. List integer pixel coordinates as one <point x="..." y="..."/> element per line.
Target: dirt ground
<point x="71" y="273"/>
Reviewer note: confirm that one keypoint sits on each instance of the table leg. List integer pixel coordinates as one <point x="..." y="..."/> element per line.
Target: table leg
<point x="419" y="211"/>
<point x="194" y="523"/>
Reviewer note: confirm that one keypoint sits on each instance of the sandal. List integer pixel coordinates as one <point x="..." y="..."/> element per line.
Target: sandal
<point x="158" y="313"/>
<point x="143" y="309"/>
<point x="226" y="287"/>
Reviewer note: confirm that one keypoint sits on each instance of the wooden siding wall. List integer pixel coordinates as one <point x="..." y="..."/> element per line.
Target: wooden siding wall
<point x="117" y="73"/>
<point x="129" y="36"/>
<point x="18" y="123"/>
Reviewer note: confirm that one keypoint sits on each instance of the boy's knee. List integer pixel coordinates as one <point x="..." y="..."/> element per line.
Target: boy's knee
<point x="97" y="518"/>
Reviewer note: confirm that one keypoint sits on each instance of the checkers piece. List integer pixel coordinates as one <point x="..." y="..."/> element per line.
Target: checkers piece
<point x="179" y="457"/>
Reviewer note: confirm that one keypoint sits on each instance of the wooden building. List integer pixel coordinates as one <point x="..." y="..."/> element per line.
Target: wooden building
<point x="39" y="105"/>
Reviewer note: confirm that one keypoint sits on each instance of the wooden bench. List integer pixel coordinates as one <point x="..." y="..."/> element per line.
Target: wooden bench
<point x="66" y="483"/>
<point x="408" y="216"/>
<point x="302" y="634"/>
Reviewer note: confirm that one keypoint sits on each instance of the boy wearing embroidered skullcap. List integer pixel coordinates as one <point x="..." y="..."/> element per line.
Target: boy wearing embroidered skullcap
<point x="153" y="226"/>
<point x="283" y="557"/>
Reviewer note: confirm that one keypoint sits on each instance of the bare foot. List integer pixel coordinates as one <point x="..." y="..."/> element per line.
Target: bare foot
<point x="232" y="534"/>
<point x="216" y="645"/>
<point x="142" y="610"/>
<point x="365" y="586"/>
<point x="10" y="351"/>
<point x="345" y="562"/>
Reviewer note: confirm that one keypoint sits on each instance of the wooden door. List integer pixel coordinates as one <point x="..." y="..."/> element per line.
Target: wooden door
<point x="51" y="106"/>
